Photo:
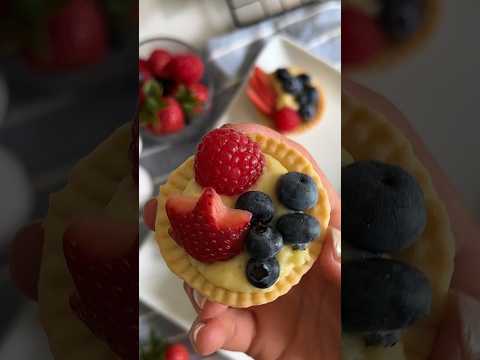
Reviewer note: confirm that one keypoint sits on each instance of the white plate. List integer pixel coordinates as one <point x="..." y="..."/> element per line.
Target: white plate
<point x="163" y="291"/>
<point x="323" y="140"/>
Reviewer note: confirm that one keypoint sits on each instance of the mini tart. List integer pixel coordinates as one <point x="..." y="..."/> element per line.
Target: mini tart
<point x="366" y="135"/>
<point x="90" y="189"/>
<point x="304" y="125"/>
<point x="396" y="51"/>
<point x="180" y="263"/>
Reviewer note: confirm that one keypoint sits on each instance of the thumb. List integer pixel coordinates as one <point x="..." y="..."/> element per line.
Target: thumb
<point x="459" y="334"/>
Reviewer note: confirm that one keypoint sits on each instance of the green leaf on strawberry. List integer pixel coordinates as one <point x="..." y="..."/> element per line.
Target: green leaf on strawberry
<point x="187" y="100"/>
<point x="152" y="88"/>
<point x="154" y="349"/>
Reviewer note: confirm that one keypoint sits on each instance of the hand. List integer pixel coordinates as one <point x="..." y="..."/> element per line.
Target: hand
<point x="303" y="324"/>
<point x="460" y="329"/>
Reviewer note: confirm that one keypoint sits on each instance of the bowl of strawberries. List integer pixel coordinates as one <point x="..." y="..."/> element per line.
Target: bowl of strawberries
<point x="175" y="90"/>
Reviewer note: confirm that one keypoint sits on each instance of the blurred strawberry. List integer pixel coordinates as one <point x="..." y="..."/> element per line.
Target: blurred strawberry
<point x="76" y="35"/>
<point x="144" y="73"/>
<point x="362" y="37"/>
<point x="158" y="61"/>
<point x="186" y="69"/>
<point x="261" y="92"/>
<point x="192" y="97"/>
<point x="176" y="352"/>
<point x="168" y="119"/>
<point x="286" y="120"/>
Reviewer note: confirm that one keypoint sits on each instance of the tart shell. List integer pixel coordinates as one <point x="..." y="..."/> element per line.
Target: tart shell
<point x="178" y="260"/>
<point x="91" y="185"/>
<point x="368" y="136"/>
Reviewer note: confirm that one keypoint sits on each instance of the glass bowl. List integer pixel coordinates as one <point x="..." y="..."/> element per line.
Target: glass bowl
<point x="200" y="123"/>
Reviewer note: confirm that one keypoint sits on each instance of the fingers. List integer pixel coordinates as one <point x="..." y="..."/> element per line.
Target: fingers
<point x="330" y="261"/>
<point x="205" y="308"/>
<point x="25" y="259"/>
<point x="332" y="194"/>
<point x="458" y="336"/>
<point x="150" y="213"/>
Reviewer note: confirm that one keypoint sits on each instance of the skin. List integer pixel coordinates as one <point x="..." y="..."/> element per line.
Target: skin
<point x="304" y="324"/>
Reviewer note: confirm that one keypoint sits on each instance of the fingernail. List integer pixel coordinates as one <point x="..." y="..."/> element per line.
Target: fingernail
<point x="337" y="243"/>
<point x="196" y="326"/>
<point x="199" y="299"/>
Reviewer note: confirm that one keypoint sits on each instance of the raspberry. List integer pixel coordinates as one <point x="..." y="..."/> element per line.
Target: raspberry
<point x="228" y="161"/>
<point x="286" y="119"/>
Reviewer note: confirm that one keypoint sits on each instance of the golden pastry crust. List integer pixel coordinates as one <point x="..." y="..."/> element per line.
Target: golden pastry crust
<point x="178" y="260"/>
<point x="90" y="187"/>
<point x="368" y="136"/>
<point x="397" y="51"/>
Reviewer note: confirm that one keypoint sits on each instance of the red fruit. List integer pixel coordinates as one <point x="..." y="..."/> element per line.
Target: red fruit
<point x="261" y="92"/>
<point x="176" y="352"/>
<point x="192" y="98"/>
<point x="362" y="37"/>
<point x="158" y="62"/>
<point x="186" y="69"/>
<point x="286" y="119"/>
<point x="76" y="36"/>
<point x="170" y="119"/>
<point x="103" y="263"/>
<point x="200" y="92"/>
<point x="228" y="161"/>
<point x="207" y="229"/>
<point x="144" y="73"/>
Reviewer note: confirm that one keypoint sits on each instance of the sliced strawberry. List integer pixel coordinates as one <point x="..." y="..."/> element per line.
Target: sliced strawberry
<point x="261" y="92"/>
<point x="260" y="103"/>
<point x="207" y="229"/>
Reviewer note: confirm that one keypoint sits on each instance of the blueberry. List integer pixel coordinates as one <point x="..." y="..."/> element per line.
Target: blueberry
<point x="383" y="207"/>
<point x="292" y="85"/>
<point x="298" y="229"/>
<point x="307" y="112"/>
<point x="382" y="338"/>
<point x="304" y="79"/>
<point x="263" y="242"/>
<point x="263" y="273"/>
<point x="282" y="74"/>
<point x="402" y="18"/>
<point x="259" y="204"/>
<point x="382" y="295"/>
<point x="311" y="94"/>
<point x="297" y="191"/>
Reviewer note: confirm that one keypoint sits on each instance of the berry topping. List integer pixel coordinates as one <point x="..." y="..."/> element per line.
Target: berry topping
<point x="286" y="120"/>
<point x="362" y="37"/>
<point x="158" y="61"/>
<point x="383" y="295"/>
<point x="261" y="92"/>
<point x="384" y="208"/>
<point x="228" y="161"/>
<point x="186" y="69"/>
<point x="402" y="18"/>
<point x="169" y="119"/>
<point x="304" y="79"/>
<point x="263" y="242"/>
<point x="298" y="229"/>
<point x="282" y="74"/>
<point x="311" y="94"/>
<point x="297" y="191"/>
<point x="259" y="204"/>
<point x="263" y="273"/>
<point x="307" y="112"/>
<point x="207" y="229"/>
<point x="292" y="85"/>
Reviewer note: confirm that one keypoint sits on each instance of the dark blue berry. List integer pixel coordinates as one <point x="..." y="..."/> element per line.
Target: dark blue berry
<point x="282" y="74"/>
<point x="297" y="191"/>
<point x="259" y="204"/>
<point x="304" y="79"/>
<point x="402" y="18"/>
<point x="263" y="273"/>
<point x="263" y="241"/>
<point x="298" y="229"/>
<point x="292" y="86"/>
<point x="311" y="94"/>
<point x="307" y="112"/>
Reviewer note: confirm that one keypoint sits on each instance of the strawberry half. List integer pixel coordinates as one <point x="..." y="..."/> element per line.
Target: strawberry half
<point x="261" y="92"/>
<point x="207" y="229"/>
<point x="103" y="262"/>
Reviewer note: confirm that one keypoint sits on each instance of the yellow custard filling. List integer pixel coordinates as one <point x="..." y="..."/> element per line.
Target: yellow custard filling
<point x="230" y="274"/>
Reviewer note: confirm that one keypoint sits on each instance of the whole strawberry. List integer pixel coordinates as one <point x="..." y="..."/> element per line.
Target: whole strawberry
<point x="76" y="35"/>
<point x="158" y="62"/>
<point x="207" y="229"/>
<point x="169" y="119"/>
<point x="228" y="161"/>
<point x="192" y="98"/>
<point x="103" y="263"/>
<point x="186" y="69"/>
<point x="144" y="73"/>
<point x="286" y="120"/>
